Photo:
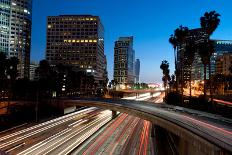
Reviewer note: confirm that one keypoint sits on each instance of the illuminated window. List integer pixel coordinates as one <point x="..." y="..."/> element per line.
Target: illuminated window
<point x="49" y="26"/>
<point x="86" y="41"/>
<point x="69" y="41"/>
<point x="90" y="41"/>
<point x="91" y="18"/>
<point x="73" y="41"/>
<point x="65" y="41"/>
<point x="77" y="41"/>
<point x="82" y="41"/>
<point x="94" y="41"/>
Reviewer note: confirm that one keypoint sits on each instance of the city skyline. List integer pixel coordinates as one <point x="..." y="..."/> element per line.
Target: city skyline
<point x="143" y="25"/>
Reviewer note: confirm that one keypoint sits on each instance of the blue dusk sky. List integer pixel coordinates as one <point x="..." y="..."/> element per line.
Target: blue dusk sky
<point x="151" y="22"/>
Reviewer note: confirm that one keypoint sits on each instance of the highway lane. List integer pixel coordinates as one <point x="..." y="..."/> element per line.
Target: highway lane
<point x="63" y="133"/>
<point x="213" y="128"/>
<point x="125" y="135"/>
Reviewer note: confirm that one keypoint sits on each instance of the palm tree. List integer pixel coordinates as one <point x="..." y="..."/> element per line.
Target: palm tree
<point x="165" y="68"/>
<point x="209" y="23"/>
<point x="189" y="55"/>
<point x="173" y="41"/>
<point x="180" y="34"/>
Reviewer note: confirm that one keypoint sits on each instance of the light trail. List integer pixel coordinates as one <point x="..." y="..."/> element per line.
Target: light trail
<point x="35" y="132"/>
<point x="52" y="144"/>
<point x="100" y="140"/>
<point x="228" y="133"/>
<point x="119" y="138"/>
<point x="223" y="102"/>
<point x="46" y="123"/>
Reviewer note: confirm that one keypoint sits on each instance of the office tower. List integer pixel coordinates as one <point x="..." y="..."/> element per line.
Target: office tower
<point x="15" y="27"/>
<point x="137" y="70"/>
<point x="77" y="41"/>
<point x="124" y="61"/>
<point x="198" y="36"/>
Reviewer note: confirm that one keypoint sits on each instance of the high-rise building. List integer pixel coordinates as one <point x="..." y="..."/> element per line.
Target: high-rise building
<point x="198" y="36"/>
<point x="137" y="70"/>
<point x="15" y="27"/>
<point x="124" y="55"/>
<point x="78" y="41"/>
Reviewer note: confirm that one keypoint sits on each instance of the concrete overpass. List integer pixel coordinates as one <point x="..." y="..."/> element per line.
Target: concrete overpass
<point x="195" y="132"/>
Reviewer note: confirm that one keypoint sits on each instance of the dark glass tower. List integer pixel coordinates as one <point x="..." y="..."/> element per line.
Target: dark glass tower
<point x="137" y="70"/>
<point x="124" y="55"/>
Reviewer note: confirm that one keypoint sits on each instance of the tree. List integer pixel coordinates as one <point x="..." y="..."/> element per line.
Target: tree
<point x="180" y="34"/>
<point x="209" y="23"/>
<point x="165" y="68"/>
<point x="189" y="55"/>
<point x="173" y="41"/>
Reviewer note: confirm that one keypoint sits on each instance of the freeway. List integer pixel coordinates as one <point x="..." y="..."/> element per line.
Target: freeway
<point x="209" y="128"/>
<point x="57" y="136"/>
<point x="124" y="135"/>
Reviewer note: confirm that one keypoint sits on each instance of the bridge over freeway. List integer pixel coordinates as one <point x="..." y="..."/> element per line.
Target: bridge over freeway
<point x="196" y="132"/>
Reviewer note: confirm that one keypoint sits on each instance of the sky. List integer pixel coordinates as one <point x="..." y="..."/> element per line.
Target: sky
<point x="151" y="22"/>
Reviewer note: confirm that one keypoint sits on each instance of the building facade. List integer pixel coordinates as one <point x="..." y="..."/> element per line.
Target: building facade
<point x="124" y="63"/>
<point x="15" y="27"/>
<point x="184" y="67"/>
<point x="223" y="63"/>
<point x="78" y="41"/>
<point x="137" y="70"/>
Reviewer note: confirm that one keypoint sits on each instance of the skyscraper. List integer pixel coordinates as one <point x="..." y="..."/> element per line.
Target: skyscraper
<point x="124" y="61"/>
<point x="137" y="70"/>
<point x="15" y="27"/>
<point x="78" y="41"/>
<point x="197" y="35"/>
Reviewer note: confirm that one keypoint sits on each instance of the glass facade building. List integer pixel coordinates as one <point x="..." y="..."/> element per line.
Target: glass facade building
<point x="124" y="63"/>
<point x="15" y="27"/>
<point x="137" y="70"/>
